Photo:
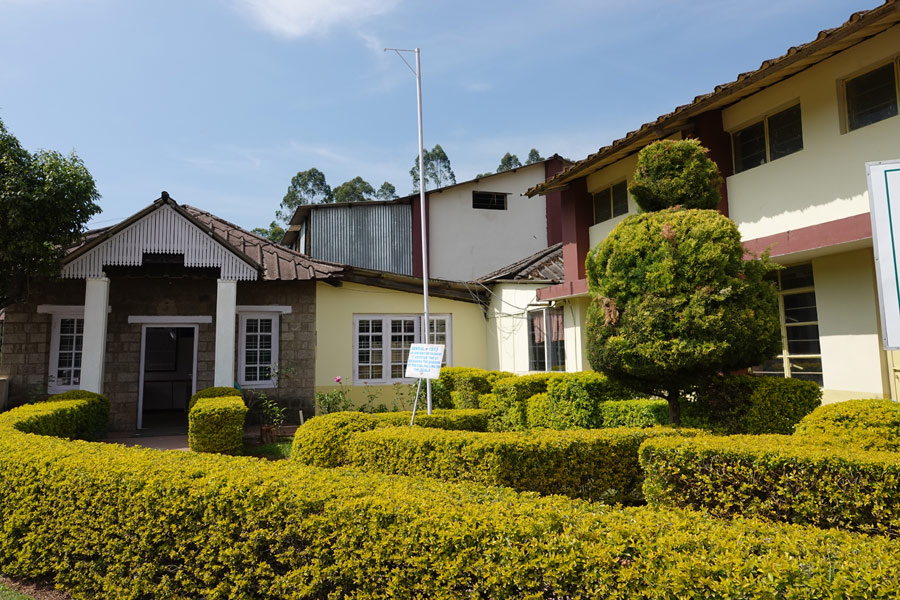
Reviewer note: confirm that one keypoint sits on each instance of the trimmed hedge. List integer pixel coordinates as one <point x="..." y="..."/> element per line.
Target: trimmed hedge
<point x="213" y="392"/>
<point x="590" y="464"/>
<point x="509" y="412"/>
<point x="749" y="404"/>
<point x="776" y="478"/>
<point x="76" y="414"/>
<point x="634" y="413"/>
<point x="541" y="411"/>
<point x="110" y="522"/>
<point x="867" y="424"/>
<point x="467" y="384"/>
<point x="322" y="440"/>
<point x="217" y="425"/>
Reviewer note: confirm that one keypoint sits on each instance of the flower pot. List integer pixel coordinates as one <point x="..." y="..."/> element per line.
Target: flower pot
<point x="268" y="434"/>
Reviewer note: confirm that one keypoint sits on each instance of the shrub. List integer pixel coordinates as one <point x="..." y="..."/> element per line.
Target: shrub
<point x="457" y="419"/>
<point x="466" y="384"/>
<point x="675" y="173"/>
<point x="510" y="393"/>
<point x="85" y="420"/>
<point x="751" y="404"/>
<point x="573" y="401"/>
<point x="867" y="424"/>
<point x="213" y="392"/>
<point x="110" y="522"/>
<point x="217" y="425"/>
<point x="776" y="478"/>
<point x="634" y="413"/>
<point x="590" y="464"/>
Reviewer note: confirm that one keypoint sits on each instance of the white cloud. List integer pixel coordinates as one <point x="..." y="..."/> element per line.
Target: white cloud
<point x="298" y="18"/>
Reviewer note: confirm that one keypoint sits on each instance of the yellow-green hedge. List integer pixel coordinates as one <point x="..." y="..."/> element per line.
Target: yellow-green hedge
<point x="213" y="392"/>
<point x="217" y="425"/>
<point x="866" y="424"/>
<point x="543" y="411"/>
<point x="599" y="464"/>
<point x="775" y="477"/>
<point x="467" y="384"/>
<point x="110" y="522"/>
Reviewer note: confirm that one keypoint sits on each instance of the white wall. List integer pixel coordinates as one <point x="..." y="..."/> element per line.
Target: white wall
<point x="507" y="326"/>
<point x="827" y="179"/>
<point x="467" y="243"/>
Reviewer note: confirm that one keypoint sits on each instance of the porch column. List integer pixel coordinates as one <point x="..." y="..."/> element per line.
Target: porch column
<point x="226" y="309"/>
<point x="93" y="355"/>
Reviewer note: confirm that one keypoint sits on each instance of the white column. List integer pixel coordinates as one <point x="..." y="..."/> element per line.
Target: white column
<point x="226" y="304"/>
<point x="93" y="356"/>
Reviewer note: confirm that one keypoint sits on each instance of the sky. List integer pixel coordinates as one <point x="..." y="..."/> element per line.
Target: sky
<point x="221" y="102"/>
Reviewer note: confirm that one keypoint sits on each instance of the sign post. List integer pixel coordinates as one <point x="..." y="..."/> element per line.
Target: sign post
<point x="424" y="362"/>
<point x="884" y="207"/>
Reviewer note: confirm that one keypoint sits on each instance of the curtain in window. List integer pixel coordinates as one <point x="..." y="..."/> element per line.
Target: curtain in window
<point x="537" y="326"/>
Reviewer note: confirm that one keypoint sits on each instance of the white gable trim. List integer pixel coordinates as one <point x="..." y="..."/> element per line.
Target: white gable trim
<point x="163" y="231"/>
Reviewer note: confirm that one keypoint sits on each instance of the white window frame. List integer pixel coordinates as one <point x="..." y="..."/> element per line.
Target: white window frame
<point x="386" y="319"/>
<point x="545" y="316"/>
<point x="59" y="313"/>
<point x="243" y="316"/>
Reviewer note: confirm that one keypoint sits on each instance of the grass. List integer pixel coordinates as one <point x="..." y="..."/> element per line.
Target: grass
<point x="280" y="450"/>
<point x="11" y="594"/>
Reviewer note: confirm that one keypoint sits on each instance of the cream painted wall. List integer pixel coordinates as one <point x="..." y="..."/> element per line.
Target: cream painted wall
<point x="613" y="174"/>
<point x="575" y="319"/>
<point x="336" y="306"/>
<point x="467" y="243"/>
<point x="846" y="300"/>
<point x="827" y="179"/>
<point x="507" y="326"/>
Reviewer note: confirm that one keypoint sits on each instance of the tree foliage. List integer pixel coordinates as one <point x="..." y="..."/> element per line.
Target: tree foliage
<point x="508" y="162"/>
<point x="307" y="187"/>
<point x="355" y="190"/>
<point x="675" y="173"/>
<point x="46" y="199"/>
<point x="437" y="169"/>
<point x="674" y="302"/>
<point x="533" y="157"/>
<point x="274" y="233"/>
<point x="387" y="191"/>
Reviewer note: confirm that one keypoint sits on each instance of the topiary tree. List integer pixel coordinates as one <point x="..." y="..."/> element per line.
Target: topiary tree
<point x="673" y="300"/>
<point x="675" y="173"/>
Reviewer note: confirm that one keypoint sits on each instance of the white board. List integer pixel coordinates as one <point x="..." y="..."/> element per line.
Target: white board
<point x="424" y="361"/>
<point x="884" y="207"/>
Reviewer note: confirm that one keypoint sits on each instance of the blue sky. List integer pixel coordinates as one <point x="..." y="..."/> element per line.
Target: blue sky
<point x="221" y="102"/>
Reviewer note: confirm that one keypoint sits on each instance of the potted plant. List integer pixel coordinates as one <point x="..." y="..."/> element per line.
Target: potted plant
<point x="273" y="418"/>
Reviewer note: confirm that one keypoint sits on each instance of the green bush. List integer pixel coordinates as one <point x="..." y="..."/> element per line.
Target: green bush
<point x="466" y="384"/>
<point x="675" y="173"/>
<point x="634" y="413"/>
<point x="776" y="478"/>
<point x="213" y="392"/>
<point x="597" y="465"/>
<point x="87" y="420"/>
<point x="542" y="412"/>
<point x="750" y="404"/>
<point x="508" y="406"/>
<point x="573" y="401"/>
<point x="217" y="425"/>
<point x="455" y="419"/>
<point x="109" y="522"/>
<point x="867" y="424"/>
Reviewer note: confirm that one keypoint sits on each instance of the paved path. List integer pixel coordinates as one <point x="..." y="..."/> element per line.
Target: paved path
<point x="177" y="439"/>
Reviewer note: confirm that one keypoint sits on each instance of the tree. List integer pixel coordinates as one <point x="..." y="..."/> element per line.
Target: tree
<point x="437" y="169"/>
<point x="387" y="191"/>
<point x="675" y="173"/>
<point x="307" y="187"/>
<point x="355" y="190"/>
<point x="509" y="161"/>
<point x="673" y="300"/>
<point x="274" y="233"/>
<point x="533" y="157"/>
<point x="46" y="199"/>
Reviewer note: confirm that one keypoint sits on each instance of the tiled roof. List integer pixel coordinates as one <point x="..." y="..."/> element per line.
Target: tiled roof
<point x="860" y="26"/>
<point x="544" y="266"/>
<point x="278" y="263"/>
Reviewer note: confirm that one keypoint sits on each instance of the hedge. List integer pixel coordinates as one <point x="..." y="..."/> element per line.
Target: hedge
<point x="542" y="411"/>
<point x="748" y="404"/>
<point x="867" y="424"/>
<point x="466" y="384"/>
<point x="217" y="425"/>
<point x="597" y="465"/>
<point x="322" y="440"/>
<point x="509" y="395"/>
<point x="76" y="414"/>
<point x="110" y="522"/>
<point x="776" y="478"/>
<point x="213" y="392"/>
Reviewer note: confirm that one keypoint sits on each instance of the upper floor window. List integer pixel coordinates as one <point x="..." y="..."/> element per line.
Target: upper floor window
<point x="611" y="202"/>
<point x="489" y="200"/>
<point x="871" y="97"/>
<point x="767" y="140"/>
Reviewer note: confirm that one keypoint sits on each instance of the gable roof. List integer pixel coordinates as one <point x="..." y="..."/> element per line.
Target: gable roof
<point x="544" y="266"/>
<point x="859" y="27"/>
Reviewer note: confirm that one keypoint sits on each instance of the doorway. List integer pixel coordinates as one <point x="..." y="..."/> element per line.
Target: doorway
<point x="168" y="375"/>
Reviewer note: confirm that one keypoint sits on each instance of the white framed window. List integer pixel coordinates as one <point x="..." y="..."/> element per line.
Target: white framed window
<point x="66" y="344"/>
<point x="381" y="345"/>
<point x="546" y="340"/>
<point x="611" y="202"/>
<point x="258" y="349"/>
<point x="773" y="137"/>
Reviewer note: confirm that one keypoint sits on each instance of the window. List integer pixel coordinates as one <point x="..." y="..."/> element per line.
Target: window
<point x="546" y="340"/>
<point x="489" y="200"/>
<point x="382" y="344"/>
<point x="611" y="202"/>
<point x="770" y="139"/>
<point x="801" y="354"/>
<point x="871" y="97"/>
<point x="258" y="349"/>
<point x="66" y="343"/>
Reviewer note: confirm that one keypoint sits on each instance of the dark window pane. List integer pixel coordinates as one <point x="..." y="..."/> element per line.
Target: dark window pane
<point x="749" y="147"/>
<point x="803" y="339"/>
<point x="602" y="206"/>
<point x="785" y="133"/>
<point x="774" y="367"/>
<point x="871" y="97"/>
<point x="807" y="369"/>
<point x="800" y="308"/>
<point x="619" y="199"/>
<point x="796" y="277"/>
<point x="489" y="200"/>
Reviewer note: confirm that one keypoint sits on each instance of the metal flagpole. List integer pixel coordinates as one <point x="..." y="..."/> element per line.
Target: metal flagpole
<point x="427" y="323"/>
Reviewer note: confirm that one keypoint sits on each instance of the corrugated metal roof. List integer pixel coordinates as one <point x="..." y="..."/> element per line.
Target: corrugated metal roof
<point x="860" y="26"/>
<point x="545" y="266"/>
